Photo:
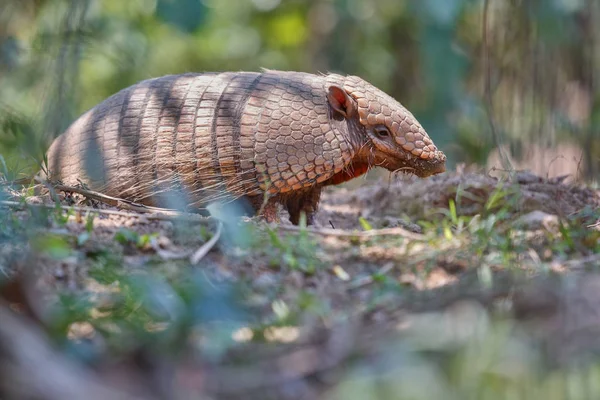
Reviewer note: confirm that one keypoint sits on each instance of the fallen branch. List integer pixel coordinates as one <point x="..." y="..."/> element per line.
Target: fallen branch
<point x="116" y="201"/>
<point x="168" y="214"/>
<point x="206" y="247"/>
<point x="156" y="214"/>
<point x="165" y="214"/>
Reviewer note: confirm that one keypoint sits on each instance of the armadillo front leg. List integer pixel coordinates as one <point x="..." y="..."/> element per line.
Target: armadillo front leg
<point x="306" y="202"/>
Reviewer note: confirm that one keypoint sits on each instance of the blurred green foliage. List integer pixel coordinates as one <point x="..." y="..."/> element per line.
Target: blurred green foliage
<point x="537" y="65"/>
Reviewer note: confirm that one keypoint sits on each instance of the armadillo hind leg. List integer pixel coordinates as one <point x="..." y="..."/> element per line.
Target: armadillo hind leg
<point x="268" y="210"/>
<point x="307" y="202"/>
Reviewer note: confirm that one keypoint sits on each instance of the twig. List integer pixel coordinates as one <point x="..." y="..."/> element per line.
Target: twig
<point x="156" y="215"/>
<point x="355" y="234"/>
<point x="115" y="201"/>
<point x="594" y="225"/>
<point x="170" y="215"/>
<point x="165" y="213"/>
<point x="110" y="200"/>
<point x="206" y="247"/>
<point x="168" y="254"/>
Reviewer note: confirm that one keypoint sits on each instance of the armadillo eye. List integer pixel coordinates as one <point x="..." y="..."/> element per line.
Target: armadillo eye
<point x="382" y="131"/>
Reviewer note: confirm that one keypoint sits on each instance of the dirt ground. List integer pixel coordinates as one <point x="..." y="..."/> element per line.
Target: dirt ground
<point x="389" y="261"/>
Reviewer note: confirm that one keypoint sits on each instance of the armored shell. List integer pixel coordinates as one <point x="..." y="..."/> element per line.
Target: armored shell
<point x="233" y="134"/>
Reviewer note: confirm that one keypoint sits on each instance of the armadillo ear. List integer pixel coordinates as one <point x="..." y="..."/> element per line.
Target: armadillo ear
<point x="341" y="101"/>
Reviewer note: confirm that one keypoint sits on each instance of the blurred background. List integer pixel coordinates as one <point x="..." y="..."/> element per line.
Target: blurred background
<point x="497" y="83"/>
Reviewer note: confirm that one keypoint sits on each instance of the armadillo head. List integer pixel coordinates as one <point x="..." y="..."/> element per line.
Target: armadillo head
<point x="395" y="139"/>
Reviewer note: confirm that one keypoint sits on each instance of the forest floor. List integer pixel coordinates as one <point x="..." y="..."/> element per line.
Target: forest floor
<point x="458" y="286"/>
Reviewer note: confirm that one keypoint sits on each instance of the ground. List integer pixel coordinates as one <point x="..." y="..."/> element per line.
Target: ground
<point x="461" y="285"/>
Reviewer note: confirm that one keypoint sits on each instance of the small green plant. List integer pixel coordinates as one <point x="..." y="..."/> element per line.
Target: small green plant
<point x="129" y="237"/>
<point x="89" y="222"/>
<point x="365" y="224"/>
<point x="55" y="246"/>
<point x="297" y="251"/>
<point x="145" y="309"/>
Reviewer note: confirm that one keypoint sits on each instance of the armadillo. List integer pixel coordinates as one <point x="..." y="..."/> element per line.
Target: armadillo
<point x="274" y="138"/>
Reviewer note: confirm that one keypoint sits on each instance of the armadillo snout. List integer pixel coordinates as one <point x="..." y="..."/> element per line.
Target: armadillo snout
<point x="433" y="166"/>
<point x="439" y="157"/>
